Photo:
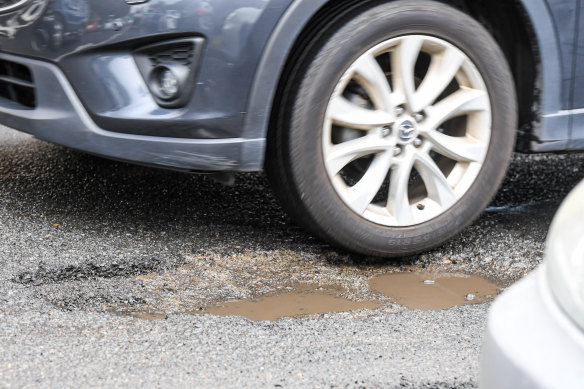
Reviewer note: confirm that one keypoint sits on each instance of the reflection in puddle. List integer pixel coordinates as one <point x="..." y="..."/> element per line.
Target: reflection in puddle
<point x="427" y="291"/>
<point x="304" y="301"/>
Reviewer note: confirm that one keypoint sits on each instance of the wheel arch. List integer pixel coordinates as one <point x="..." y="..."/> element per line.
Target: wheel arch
<point x="304" y="17"/>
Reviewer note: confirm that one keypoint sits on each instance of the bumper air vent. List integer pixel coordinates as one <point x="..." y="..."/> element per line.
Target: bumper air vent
<point x="17" y="84"/>
<point x="182" y="54"/>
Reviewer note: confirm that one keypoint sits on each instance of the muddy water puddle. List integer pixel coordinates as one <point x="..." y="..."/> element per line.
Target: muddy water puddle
<point x="305" y="300"/>
<point x="414" y="290"/>
<point x="427" y="291"/>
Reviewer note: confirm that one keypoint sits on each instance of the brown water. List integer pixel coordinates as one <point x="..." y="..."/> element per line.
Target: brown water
<point x="305" y="300"/>
<point x="415" y="290"/>
<point x="427" y="291"/>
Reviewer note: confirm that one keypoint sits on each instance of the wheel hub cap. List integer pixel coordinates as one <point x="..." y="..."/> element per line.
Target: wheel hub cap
<point x="407" y="130"/>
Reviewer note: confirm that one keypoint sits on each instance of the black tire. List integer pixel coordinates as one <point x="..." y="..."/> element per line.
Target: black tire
<point x="295" y="162"/>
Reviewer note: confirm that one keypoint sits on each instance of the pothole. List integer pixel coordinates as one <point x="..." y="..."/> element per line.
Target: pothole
<point x="414" y="290"/>
<point x="428" y="291"/>
<point x="93" y="270"/>
<point x="305" y="300"/>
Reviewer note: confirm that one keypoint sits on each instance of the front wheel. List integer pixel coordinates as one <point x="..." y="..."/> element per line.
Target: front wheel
<point x="401" y="128"/>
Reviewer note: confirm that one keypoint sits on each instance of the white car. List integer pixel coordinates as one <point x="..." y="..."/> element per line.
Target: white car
<point x="535" y="335"/>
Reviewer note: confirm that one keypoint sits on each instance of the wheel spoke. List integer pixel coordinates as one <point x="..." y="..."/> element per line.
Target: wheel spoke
<point x="462" y="149"/>
<point x="363" y="193"/>
<point x="459" y="103"/>
<point x="344" y="113"/>
<point x="372" y="77"/>
<point x="443" y="68"/>
<point x="403" y="63"/>
<point x="398" y="203"/>
<point x="436" y="183"/>
<point x="342" y="154"/>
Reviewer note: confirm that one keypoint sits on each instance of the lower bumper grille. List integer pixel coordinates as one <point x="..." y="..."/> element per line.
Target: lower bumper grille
<point x="17" y="84"/>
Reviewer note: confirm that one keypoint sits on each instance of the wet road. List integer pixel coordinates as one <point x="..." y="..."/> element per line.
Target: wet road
<point x="88" y="244"/>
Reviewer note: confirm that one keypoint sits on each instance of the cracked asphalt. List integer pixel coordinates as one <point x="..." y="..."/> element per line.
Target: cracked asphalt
<point x="85" y="241"/>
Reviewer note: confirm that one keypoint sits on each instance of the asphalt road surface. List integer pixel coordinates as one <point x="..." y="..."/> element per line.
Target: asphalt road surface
<point x="87" y="243"/>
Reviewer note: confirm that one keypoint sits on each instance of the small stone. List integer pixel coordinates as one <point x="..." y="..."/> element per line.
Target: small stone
<point x="470" y="297"/>
<point x="429" y="282"/>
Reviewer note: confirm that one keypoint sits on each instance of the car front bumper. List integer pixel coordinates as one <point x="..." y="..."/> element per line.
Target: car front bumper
<point x="60" y="117"/>
<point x="530" y="342"/>
<point x="92" y="95"/>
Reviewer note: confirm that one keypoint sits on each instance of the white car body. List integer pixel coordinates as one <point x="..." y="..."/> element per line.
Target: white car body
<point x="535" y="334"/>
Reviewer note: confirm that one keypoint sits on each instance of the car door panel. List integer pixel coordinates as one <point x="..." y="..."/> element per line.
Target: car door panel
<point x="579" y="63"/>
<point x="577" y="142"/>
<point x="565" y="15"/>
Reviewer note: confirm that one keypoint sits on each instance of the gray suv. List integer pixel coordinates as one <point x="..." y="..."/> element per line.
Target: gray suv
<point x="385" y="127"/>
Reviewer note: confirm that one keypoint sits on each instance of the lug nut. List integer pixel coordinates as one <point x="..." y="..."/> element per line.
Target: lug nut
<point x="417" y="142"/>
<point x="386" y="131"/>
<point x="399" y="111"/>
<point x="418" y="117"/>
<point x="397" y="151"/>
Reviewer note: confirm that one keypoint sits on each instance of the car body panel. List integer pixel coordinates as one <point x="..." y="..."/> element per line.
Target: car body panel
<point x="535" y="329"/>
<point x="530" y="342"/>
<point x="60" y="117"/>
<point x="577" y="142"/>
<point x="552" y="132"/>
<point x="579" y="64"/>
<point x="578" y="118"/>
<point x="247" y="44"/>
<point x="565" y="17"/>
<point x="116" y="94"/>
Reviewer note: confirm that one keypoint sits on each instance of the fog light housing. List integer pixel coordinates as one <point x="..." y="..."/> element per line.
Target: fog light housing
<point x="168" y="82"/>
<point x="169" y="69"/>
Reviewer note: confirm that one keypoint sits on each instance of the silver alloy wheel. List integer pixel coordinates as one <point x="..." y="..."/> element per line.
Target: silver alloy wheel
<point x="407" y="130"/>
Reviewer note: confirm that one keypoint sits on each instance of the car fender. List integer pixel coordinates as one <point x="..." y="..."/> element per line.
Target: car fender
<point x="297" y="16"/>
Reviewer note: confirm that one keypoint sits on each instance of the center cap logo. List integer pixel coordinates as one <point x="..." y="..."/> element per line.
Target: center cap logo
<point x="407" y="131"/>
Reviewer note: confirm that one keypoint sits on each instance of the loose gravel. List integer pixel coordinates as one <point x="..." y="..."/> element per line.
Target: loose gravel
<point x="85" y="240"/>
